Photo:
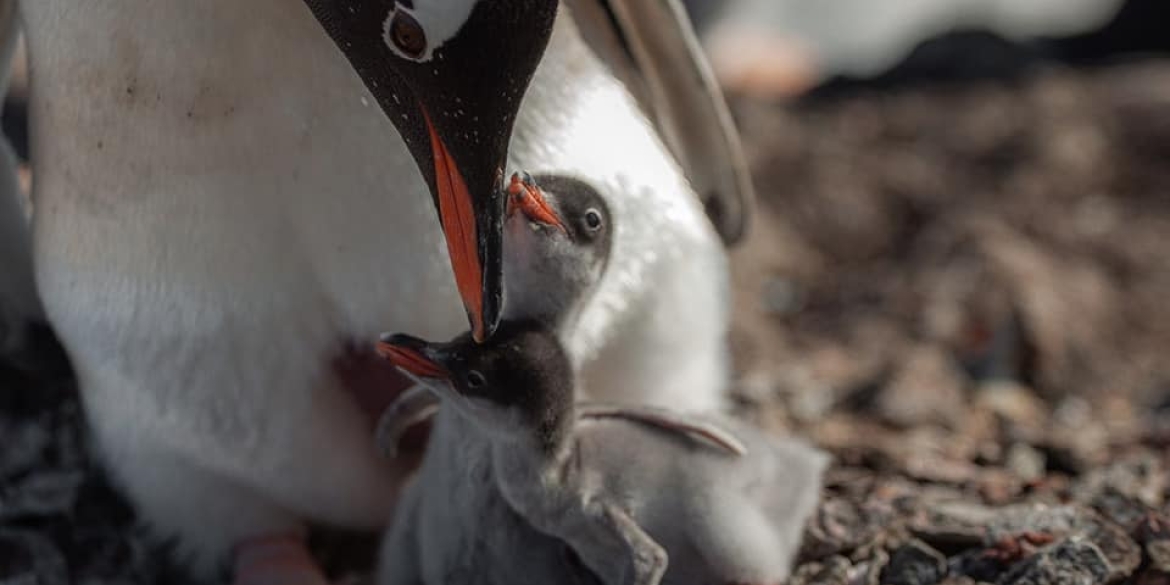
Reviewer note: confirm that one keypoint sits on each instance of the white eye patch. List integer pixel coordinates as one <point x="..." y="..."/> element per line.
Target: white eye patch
<point x="440" y="21"/>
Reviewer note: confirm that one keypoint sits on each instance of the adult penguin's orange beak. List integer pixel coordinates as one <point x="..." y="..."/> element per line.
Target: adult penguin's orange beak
<point x="454" y="101"/>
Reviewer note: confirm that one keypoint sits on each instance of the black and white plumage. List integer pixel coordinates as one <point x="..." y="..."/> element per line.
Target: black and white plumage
<point x="653" y="49"/>
<point x="223" y="206"/>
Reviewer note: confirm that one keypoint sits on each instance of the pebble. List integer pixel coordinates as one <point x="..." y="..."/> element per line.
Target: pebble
<point x="1025" y="461"/>
<point x="926" y="388"/>
<point x="1070" y="522"/>
<point x="914" y="563"/>
<point x="60" y="522"/>
<point x="1072" y="562"/>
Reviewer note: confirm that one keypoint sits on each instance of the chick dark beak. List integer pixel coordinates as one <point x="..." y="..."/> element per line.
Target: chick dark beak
<point x="410" y="354"/>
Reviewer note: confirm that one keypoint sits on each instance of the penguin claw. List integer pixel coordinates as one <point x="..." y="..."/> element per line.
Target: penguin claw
<point x="280" y="559"/>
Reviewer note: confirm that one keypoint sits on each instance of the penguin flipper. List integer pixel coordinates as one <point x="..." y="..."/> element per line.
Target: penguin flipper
<point x="416" y="405"/>
<point x="609" y="534"/>
<point x="652" y="47"/>
<point x="699" y="430"/>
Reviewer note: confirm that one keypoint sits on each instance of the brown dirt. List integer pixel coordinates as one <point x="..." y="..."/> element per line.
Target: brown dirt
<point x="961" y="292"/>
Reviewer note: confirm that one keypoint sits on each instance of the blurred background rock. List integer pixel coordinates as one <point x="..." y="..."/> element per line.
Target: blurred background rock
<point x="789" y="46"/>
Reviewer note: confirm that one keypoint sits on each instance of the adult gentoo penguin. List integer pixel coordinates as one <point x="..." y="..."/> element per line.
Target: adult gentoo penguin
<point x="222" y="211"/>
<point x="211" y="177"/>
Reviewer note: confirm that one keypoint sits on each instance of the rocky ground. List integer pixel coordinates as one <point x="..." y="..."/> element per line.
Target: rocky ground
<point x="957" y="290"/>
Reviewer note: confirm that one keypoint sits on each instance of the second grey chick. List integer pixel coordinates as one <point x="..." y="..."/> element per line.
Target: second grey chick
<point x="639" y="496"/>
<point x="557" y="236"/>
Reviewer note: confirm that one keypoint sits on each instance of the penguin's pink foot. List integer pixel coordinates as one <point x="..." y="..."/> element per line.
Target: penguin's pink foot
<point x="278" y="559"/>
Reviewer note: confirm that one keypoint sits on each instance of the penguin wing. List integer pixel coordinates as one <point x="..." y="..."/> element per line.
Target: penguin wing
<point x="416" y="405"/>
<point x="699" y="430"/>
<point x="651" y="46"/>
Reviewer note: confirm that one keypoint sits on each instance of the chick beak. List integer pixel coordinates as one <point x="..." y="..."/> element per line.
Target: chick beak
<point x="408" y="353"/>
<point x="525" y="196"/>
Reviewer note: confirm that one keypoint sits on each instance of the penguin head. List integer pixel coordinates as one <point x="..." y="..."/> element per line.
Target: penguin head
<point x="517" y="386"/>
<point x="557" y="240"/>
<point x="451" y="75"/>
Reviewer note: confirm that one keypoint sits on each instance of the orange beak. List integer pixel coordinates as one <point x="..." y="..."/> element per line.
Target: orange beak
<point x="457" y="216"/>
<point x="524" y="195"/>
<point x="410" y="360"/>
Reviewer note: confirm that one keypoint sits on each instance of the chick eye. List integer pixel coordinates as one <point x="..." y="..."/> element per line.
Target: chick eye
<point x="475" y="380"/>
<point x="593" y="219"/>
<point x="407" y="35"/>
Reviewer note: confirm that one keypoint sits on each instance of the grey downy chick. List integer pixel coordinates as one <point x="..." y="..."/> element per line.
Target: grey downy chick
<point x="557" y="236"/>
<point x="558" y="232"/>
<point x="639" y="496"/>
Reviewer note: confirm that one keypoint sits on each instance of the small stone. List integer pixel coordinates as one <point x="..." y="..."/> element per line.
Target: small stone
<point x="840" y="525"/>
<point x="999" y="487"/>
<point x="1158" y="552"/>
<point x="835" y="570"/>
<point x="1122" y="509"/>
<point x="809" y="398"/>
<point x="757" y="387"/>
<point x="868" y="563"/>
<point x="1026" y="462"/>
<point x="782" y="297"/>
<point x="914" y="563"/>
<point x="953" y="523"/>
<point x="1071" y="562"/>
<point x="1153" y="533"/>
<point x="1012" y="401"/>
<point x="976" y="565"/>
<point x="940" y="470"/>
<point x="927" y="388"/>
<point x="1011" y="521"/>
<point x="1125" y="491"/>
<point x="1122" y="554"/>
